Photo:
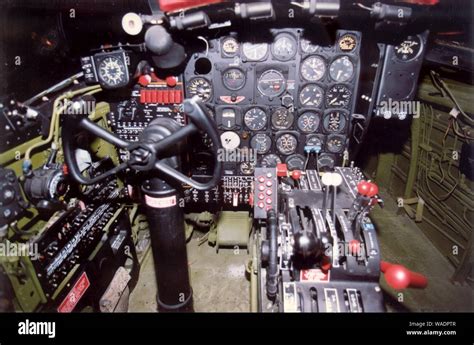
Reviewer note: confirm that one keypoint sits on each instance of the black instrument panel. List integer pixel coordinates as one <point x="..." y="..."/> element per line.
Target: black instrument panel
<point x="283" y="97"/>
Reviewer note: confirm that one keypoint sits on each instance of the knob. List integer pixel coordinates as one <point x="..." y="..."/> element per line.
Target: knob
<point x="368" y="189"/>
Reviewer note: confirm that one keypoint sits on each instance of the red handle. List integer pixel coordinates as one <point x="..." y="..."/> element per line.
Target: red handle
<point x="399" y="277"/>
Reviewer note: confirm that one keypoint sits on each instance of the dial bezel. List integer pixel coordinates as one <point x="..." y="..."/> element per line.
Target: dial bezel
<point x="323" y="75"/>
<point x="340" y="57"/>
<point x="211" y="94"/>
<point x="294" y="43"/>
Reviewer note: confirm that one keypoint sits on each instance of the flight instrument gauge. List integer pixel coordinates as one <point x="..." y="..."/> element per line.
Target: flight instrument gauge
<point x="335" y="121"/>
<point x="335" y="143"/>
<point x="326" y="162"/>
<point x="295" y="162"/>
<point x="338" y="96"/>
<point x="287" y="144"/>
<point x="255" y="119"/>
<point x="112" y="70"/>
<point x="409" y="49"/>
<point x="233" y="79"/>
<point x="311" y="95"/>
<point x="230" y="46"/>
<point x="271" y="83"/>
<point x="284" y="47"/>
<point x="313" y="68"/>
<point x="261" y="142"/>
<point x="270" y="161"/>
<point x="282" y="118"/>
<point x="347" y="43"/>
<point x="230" y="140"/>
<point x="308" y="122"/>
<point x="307" y="47"/>
<point x="255" y="51"/>
<point x="341" y="69"/>
<point x="200" y="87"/>
<point x="247" y="168"/>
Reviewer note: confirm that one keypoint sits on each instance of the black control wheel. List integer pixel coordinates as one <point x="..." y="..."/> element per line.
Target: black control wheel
<point x="147" y="153"/>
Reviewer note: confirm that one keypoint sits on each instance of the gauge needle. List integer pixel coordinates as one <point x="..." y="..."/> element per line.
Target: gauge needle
<point x="306" y="100"/>
<point x="338" y="74"/>
<point x="334" y="100"/>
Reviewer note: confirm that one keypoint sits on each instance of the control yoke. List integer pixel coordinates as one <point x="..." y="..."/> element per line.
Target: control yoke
<point x="145" y="154"/>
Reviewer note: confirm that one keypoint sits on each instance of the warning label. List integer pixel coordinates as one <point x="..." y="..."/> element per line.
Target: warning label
<point x="73" y="297"/>
<point x="314" y="275"/>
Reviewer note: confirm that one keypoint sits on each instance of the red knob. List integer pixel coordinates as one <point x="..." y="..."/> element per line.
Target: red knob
<point x="326" y="264"/>
<point x="144" y="80"/>
<point x="354" y="247"/>
<point x="296" y="175"/>
<point x="400" y="277"/>
<point x="368" y="189"/>
<point x="171" y="81"/>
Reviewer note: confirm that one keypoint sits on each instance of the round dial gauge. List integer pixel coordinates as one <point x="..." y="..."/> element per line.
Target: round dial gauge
<point x="286" y="144"/>
<point x="230" y="140"/>
<point x="409" y="49"/>
<point x="271" y="83"/>
<point x="255" y="51"/>
<point x="335" y="121"/>
<point x="347" y="43"/>
<point x="308" y="122"/>
<point x="307" y="47"/>
<point x="270" y="161"/>
<point x="261" y="143"/>
<point x="341" y="69"/>
<point x="326" y="162"/>
<point x="233" y="79"/>
<point x="200" y="87"/>
<point x="314" y="140"/>
<point x="311" y="95"/>
<point x="282" y="118"/>
<point x="313" y="68"/>
<point x="230" y="46"/>
<point x="255" y="119"/>
<point x="284" y="47"/>
<point x="295" y="162"/>
<point x="247" y="168"/>
<point x="112" y="71"/>
<point x="335" y="143"/>
<point x="338" y="96"/>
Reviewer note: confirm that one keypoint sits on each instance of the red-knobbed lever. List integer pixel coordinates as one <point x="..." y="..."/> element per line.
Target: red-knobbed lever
<point x="399" y="277"/>
<point x="367" y="189"/>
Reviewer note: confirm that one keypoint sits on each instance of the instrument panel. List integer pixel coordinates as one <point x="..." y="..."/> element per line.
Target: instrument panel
<point x="284" y="98"/>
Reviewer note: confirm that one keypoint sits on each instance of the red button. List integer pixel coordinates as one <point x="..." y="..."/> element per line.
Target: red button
<point x="269" y="200"/>
<point x="261" y="204"/>
<point x="261" y="188"/>
<point x="261" y="196"/>
<point x="171" y="81"/>
<point x="269" y="183"/>
<point x="269" y="192"/>
<point x="261" y="179"/>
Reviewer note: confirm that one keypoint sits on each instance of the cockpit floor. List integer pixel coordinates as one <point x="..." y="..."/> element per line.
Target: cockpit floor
<point x="218" y="280"/>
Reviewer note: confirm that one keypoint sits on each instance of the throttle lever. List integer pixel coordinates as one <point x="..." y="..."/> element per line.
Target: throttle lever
<point x="399" y="277"/>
